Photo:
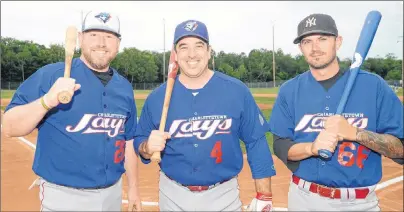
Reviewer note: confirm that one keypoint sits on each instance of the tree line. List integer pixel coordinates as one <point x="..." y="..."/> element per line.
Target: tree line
<point x="19" y="59"/>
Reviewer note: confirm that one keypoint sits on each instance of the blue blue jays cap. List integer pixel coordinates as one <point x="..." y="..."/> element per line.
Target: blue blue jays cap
<point x="191" y="28"/>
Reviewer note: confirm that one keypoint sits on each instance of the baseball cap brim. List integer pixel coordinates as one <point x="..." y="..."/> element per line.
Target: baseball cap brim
<point x="298" y="39"/>
<point x="191" y="34"/>
<point x="103" y="28"/>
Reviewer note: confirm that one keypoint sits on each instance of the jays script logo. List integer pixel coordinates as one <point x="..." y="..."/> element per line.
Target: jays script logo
<point x="316" y="122"/>
<point x="104" y="17"/>
<point x="191" y="26"/>
<point x="203" y="127"/>
<point x="108" y="123"/>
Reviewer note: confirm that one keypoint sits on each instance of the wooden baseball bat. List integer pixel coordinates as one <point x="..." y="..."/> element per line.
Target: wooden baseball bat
<point x="172" y="73"/>
<point x="65" y="97"/>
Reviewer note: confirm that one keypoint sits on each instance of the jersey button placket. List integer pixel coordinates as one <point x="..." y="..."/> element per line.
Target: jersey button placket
<point x="327" y="108"/>
<point x="194" y="138"/>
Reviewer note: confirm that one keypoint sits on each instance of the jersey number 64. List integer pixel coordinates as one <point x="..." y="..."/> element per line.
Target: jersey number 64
<point x="347" y="154"/>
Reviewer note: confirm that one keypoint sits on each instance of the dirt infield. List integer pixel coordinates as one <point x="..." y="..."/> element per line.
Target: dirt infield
<point x="17" y="176"/>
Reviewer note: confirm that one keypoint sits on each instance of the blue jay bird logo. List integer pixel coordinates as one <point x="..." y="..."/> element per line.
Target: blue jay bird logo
<point x="191" y="26"/>
<point x="104" y="17"/>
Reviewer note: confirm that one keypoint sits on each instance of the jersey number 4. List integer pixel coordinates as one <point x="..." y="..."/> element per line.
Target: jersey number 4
<point x="217" y="151"/>
<point x="120" y="152"/>
<point x="347" y="154"/>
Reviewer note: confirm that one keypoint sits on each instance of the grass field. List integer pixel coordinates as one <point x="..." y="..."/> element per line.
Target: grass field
<point x="264" y="90"/>
<point x="253" y="90"/>
<point x="5" y="94"/>
<point x="400" y="92"/>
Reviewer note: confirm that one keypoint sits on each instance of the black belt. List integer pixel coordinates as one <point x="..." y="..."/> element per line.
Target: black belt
<point x="198" y="188"/>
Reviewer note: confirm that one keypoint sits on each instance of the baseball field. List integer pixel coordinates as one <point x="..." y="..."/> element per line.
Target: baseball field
<point x="17" y="157"/>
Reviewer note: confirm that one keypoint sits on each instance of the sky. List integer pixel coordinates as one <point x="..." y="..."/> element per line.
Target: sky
<point x="234" y="27"/>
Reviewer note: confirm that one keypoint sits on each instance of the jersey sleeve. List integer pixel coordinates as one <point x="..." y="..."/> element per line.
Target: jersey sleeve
<point x="143" y="129"/>
<point x="253" y="128"/>
<point x="131" y="122"/>
<point x="389" y="112"/>
<point x="281" y="121"/>
<point x="34" y="87"/>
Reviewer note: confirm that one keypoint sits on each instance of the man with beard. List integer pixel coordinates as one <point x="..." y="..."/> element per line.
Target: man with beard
<point x="303" y="121"/>
<point x="80" y="155"/>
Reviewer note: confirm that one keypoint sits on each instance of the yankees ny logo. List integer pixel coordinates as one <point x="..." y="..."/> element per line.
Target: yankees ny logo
<point x="310" y="22"/>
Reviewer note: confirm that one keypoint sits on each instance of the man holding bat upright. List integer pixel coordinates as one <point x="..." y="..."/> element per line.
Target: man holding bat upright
<point x="303" y="122"/>
<point x="200" y="149"/>
<point x="80" y="155"/>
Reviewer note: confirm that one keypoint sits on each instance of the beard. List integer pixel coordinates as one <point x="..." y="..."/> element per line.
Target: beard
<point x="321" y="65"/>
<point x="97" y="64"/>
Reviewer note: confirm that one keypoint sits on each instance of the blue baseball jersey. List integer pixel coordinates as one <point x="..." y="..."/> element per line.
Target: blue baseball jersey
<point x="81" y="144"/>
<point x="206" y="126"/>
<point x="303" y="105"/>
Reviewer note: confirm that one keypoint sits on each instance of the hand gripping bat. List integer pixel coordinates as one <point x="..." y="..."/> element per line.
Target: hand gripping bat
<point x="172" y="73"/>
<point x="65" y="97"/>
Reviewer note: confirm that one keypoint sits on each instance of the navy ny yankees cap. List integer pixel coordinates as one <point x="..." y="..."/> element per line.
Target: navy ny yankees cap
<point x="316" y="24"/>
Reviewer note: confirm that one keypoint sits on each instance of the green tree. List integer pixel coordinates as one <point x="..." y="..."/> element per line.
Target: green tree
<point x="393" y="75"/>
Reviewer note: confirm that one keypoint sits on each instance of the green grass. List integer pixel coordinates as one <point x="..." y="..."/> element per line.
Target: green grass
<point x="142" y="91"/>
<point x="400" y="92"/>
<point x="7" y="94"/>
<point x="264" y="90"/>
<point x="139" y="106"/>
<point x="265" y="100"/>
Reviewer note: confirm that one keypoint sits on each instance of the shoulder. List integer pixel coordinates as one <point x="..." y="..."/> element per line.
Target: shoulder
<point x="371" y="80"/>
<point x="231" y="83"/>
<point x="57" y="69"/>
<point x="290" y="85"/>
<point x="370" y="77"/>
<point x="158" y="92"/>
<point x="122" y="80"/>
<point x="52" y="69"/>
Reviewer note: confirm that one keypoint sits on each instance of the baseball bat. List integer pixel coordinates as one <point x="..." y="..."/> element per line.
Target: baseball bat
<point x="65" y="97"/>
<point x="362" y="48"/>
<point x="172" y="73"/>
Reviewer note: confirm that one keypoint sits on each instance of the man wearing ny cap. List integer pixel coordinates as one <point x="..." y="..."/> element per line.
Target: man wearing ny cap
<point x="303" y="122"/>
<point x="200" y="149"/>
<point x="81" y="146"/>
